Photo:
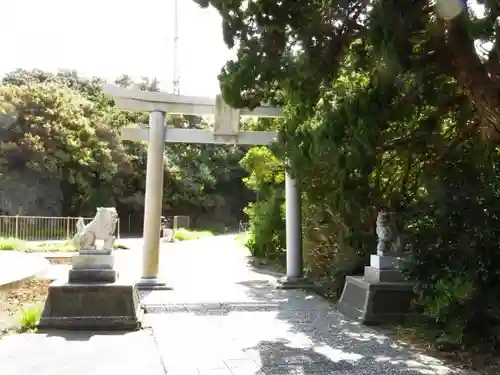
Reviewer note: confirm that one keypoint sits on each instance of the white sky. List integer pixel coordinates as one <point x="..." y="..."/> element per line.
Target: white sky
<point x="107" y="38"/>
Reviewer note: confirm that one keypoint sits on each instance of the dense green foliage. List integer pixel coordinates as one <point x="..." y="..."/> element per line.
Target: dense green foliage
<point x="386" y="106"/>
<point x="267" y="233"/>
<point x="62" y="128"/>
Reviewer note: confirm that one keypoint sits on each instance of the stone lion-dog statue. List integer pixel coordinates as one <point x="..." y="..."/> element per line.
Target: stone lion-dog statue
<point x="102" y="227"/>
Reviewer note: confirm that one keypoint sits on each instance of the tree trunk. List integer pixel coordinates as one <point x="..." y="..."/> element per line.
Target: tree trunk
<point x="472" y="75"/>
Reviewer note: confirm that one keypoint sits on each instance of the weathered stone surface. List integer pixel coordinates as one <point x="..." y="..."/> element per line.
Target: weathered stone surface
<point x="102" y="227"/>
<point x="114" y="306"/>
<point x="384" y="261"/>
<point x="95" y="252"/>
<point x="376" y="275"/>
<point x="375" y="302"/>
<point x="93" y="262"/>
<point x="92" y="276"/>
<point x="293" y="283"/>
<point x="152" y="284"/>
<point x="389" y="239"/>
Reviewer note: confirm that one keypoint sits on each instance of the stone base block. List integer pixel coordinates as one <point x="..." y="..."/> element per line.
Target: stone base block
<point x="376" y="275"/>
<point x="106" y="262"/>
<point x="92" y="276"/>
<point x="93" y="306"/>
<point x="153" y="283"/>
<point x="375" y="302"/>
<point x="95" y="251"/>
<point x="293" y="283"/>
<point x="384" y="261"/>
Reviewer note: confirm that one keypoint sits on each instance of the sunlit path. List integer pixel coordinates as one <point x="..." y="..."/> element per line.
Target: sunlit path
<point x="222" y="317"/>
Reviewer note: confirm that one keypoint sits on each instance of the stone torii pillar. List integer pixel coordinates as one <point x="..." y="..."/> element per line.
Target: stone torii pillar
<point x="226" y="131"/>
<point x="153" y="199"/>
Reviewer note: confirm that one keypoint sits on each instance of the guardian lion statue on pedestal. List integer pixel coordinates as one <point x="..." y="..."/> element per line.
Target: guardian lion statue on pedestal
<point x="102" y="227"/>
<point x="389" y="238"/>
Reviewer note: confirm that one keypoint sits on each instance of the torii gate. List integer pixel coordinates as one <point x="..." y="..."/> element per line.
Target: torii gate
<point x="226" y="131"/>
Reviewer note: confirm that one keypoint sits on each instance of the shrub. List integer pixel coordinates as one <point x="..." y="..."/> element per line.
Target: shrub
<point x="183" y="234"/>
<point x="266" y="237"/>
<point x="11" y="244"/>
<point x="454" y="257"/>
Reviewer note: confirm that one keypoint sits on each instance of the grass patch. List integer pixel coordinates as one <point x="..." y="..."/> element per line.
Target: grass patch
<point x="29" y="318"/>
<point x="10" y="243"/>
<point x="183" y="234"/>
<point x="52" y="247"/>
<point x="43" y="247"/>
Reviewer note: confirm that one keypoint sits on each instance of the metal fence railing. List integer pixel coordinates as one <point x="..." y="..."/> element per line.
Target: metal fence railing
<point x="243" y="227"/>
<point x="41" y="228"/>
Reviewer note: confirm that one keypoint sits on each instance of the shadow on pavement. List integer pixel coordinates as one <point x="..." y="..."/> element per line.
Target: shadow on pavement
<point x="320" y="340"/>
<point x="277" y="357"/>
<point x="283" y="332"/>
<point x="79" y="335"/>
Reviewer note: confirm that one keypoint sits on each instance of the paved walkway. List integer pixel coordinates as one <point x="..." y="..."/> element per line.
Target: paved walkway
<point x="222" y="318"/>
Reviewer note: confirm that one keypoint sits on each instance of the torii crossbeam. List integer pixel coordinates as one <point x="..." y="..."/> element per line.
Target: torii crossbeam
<point x="226" y="131"/>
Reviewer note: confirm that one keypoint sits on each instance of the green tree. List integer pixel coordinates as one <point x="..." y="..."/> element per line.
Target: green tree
<point x="267" y="225"/>
<point x="202" y="181"/>
<point x="58" y="133"/>
<point x="284" y="45"/>
<point x="385" y="105"/>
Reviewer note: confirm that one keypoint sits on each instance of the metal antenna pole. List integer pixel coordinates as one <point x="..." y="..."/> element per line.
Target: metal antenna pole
<point x="175" y="80"/>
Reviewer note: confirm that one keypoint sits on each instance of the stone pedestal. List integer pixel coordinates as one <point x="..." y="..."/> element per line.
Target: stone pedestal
<point x="93" y="266"/>
<point x="383" y="269"/>
<point x="381" y="295"/>
<point x="152" y="283"/>
<point x="92" y="306"/>
<point x="293" y="283"/>
<point x="93" y="298"/>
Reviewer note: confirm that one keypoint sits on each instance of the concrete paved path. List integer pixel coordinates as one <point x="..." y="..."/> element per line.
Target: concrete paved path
<point x="222" y="318"/>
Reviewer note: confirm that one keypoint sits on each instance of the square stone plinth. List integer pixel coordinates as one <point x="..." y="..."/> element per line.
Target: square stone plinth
<point x="93" y="261"/>
<point x="95" y="251"/>
<point x="92" y="276"/>
<point x="375" y="302"/>
<point x="376" y="275"/>
<point x="287" y="282"/>
<point x="384" y="261"/>
<point x="92" y="306"/>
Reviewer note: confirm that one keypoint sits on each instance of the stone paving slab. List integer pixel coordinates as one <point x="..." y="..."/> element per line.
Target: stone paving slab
<point x="80" y="353"/>
<point x="261" y="330"/>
